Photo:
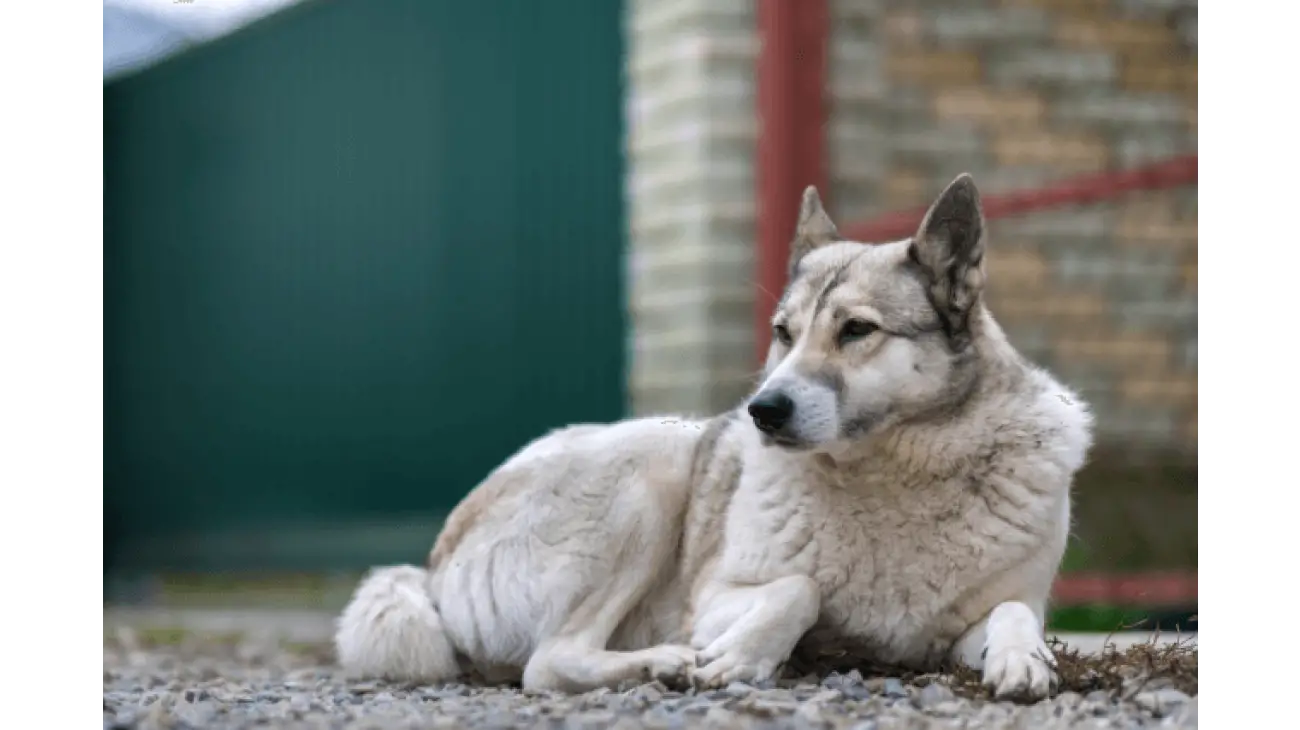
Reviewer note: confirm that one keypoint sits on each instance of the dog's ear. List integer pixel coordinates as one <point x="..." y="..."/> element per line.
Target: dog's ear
<point x="949" y="248"/>
<point x="813" y="229"/>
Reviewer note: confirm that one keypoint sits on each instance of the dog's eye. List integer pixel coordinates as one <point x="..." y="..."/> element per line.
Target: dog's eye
<point x="782" y="335"/>
<point x="855" y="329"/>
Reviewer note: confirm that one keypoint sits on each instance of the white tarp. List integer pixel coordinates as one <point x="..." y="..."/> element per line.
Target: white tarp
<point x="138" y="33"/>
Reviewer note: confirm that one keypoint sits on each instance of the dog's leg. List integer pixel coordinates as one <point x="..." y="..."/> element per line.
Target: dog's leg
<point x="1008" y="645"/>
<point x="763" y="624"/>
<point x="576" y="660"/>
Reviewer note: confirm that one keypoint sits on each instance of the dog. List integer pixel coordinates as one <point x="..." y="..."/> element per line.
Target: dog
<point x="899" y="482"/>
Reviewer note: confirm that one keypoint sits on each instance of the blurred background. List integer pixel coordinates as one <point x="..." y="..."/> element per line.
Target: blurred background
<point x="358" y="252"/>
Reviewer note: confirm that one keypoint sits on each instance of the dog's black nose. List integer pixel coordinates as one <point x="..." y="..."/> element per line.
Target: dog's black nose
<point x="771" y="411"/>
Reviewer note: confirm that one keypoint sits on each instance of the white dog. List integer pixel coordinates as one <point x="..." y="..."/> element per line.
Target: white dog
<point x="899" y="483"/>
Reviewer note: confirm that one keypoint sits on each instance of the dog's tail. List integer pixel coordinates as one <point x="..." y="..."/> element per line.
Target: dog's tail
<point x="392" y="630"/>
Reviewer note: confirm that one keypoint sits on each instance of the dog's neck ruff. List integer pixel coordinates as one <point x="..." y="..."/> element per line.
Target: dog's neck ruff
<point x="944" y="444"/>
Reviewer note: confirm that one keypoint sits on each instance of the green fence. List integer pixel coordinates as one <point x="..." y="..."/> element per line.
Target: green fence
<point x="355" y="255"/>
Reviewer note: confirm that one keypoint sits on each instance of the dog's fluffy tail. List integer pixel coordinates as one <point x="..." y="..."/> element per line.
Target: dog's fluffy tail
<point x="392" y="630"/>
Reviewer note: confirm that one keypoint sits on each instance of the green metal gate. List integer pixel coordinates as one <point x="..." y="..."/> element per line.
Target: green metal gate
<point x="355" y="255"/>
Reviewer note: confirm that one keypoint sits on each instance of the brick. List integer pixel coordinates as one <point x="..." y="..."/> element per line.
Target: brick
<point x="683" y="393"/>
<point x="1121" y="109"/>
<point x="862" y="11"/>
<point x="944" y="147"/>
<point x="1077" y="310"/>
<point x="1096" y="382"/>
<point x="1074" y="7"/>
<point x="973" y="26"/>
<point x="1016" y="270"/>
<point x="650" y="23"/>
<point x="661" y="291"/>
<point x="1175" y="235"/>
<point x="933" y="68"/>
<point x="1116" y="34"/>
<point x="1138" y="148"/>
<point x="903" y="28"/>
<point x="853" y="149"/>
<point x="989" y="107"/>
<point x="905" y="107"/>
<point x="1100" y="397"/>
<point x="1153" y="8"/>
<point x="1138" y="426"/>
<point x="670" y="225"/>
<point x="1186" y="198"/>
<point x="856" y="200"/>
<point x="1066" y="225"/>
<point x="855" y="80"/>
<point x="1033" y="340"/>
<point x="1173" y="389"/>
<point x="1129" y="352"/>
<point x="1189" y="430"/>
<point x="712" y="184"/>
<point x="1041" y="147"/>
<point x="1169" y="76"/>
<point x="905" y="188"/>
<point x="1189" y="273"/>
<point x="1142" y="208"/>
<point x="1007" y="178"/>
<point x="1187" y="353"/>
<point x="730" y="387"/>
<point x="1167" y="313"/>
<point x="1052" y="67"/>
<point x="1122" y="271"/>
<point x="1151" y="302"/>
<point x="1154" y="219"/>
<point x="658" y="362"/>
<point x="1187" y="30"/>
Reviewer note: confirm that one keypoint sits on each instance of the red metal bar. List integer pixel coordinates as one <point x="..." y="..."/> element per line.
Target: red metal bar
<point x="791" y="114"/>
<point x="1075" y="191"/>
<point x="1142" y="589"/>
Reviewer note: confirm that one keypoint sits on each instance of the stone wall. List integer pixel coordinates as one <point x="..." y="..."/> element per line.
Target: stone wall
<point x="1020" y="93"/>
<point x="691" y="139"/>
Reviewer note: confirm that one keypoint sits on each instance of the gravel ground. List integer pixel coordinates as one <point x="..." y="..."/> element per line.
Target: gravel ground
<point x="185" y="682"/>
<point x="316" y="624"/>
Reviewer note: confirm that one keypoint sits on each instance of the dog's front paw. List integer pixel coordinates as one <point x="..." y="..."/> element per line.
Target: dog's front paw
<point x="1024" y="671"/>
<point x="668" y="663"/>
<point x="733" y="666"/>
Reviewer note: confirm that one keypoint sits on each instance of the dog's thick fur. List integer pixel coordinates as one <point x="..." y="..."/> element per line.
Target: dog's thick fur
<point x="900" y="484"/>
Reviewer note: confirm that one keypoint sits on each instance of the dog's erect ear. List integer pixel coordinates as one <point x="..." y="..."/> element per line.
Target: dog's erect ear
<point x="949" y="248"/>
<point x="813" y="229"/>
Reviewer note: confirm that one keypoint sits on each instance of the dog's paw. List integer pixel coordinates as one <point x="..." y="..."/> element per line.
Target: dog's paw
<point x="733" y="666"/>
<point x="668" y="663"/>
<point x="1024" y="671"/>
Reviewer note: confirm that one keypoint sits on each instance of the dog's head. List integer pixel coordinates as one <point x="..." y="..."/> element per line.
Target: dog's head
<point x="868" y="336"/>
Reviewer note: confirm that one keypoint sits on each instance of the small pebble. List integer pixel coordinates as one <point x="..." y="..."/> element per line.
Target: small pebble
<point x="893" y="687"/>
<point x="933" y="694"/>
<point x="1161" y="702"/>
<point x="739" y="689"/>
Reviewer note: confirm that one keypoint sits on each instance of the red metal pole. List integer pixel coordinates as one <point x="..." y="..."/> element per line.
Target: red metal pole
<point x="1174" y="588"/>
<point x="791" y="142"/>
<point x="1090" y="188"/>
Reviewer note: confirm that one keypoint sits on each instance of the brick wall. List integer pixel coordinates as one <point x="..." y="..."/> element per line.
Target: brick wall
<point x="1018" y="92"/>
